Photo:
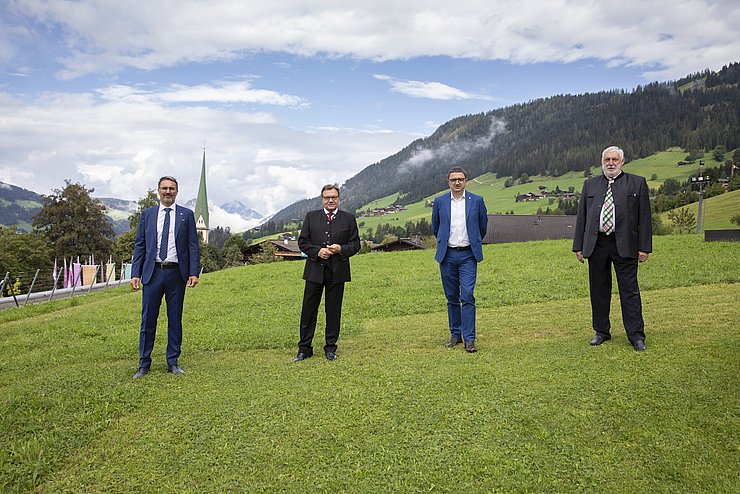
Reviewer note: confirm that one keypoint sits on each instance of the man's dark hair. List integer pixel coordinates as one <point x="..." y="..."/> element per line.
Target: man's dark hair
<point x="457" y="169"/>
<point x="167" y="177"/>
<point x="329" y="187"/>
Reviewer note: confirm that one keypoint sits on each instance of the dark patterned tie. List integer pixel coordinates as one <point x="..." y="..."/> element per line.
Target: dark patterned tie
<point x="330" y="215"/>
<point x="165" y="235"/>
<point x="608" y="224"/>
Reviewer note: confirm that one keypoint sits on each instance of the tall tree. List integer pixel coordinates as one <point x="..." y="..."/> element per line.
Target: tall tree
<point x="22" y="254"/>
<point x="148" y="201"/>
<point x="74" y="222"/>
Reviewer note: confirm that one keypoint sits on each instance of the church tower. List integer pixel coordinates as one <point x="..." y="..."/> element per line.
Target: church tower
<point x="201" y="204"/>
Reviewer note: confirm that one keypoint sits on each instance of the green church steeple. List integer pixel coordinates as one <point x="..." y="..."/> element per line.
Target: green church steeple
<point x="201" y="204"/>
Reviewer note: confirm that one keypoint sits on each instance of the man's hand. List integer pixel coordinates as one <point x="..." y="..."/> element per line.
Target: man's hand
<point x="325" y="253"/>
<point x="135" y="283"/>
<point x="642" y="256"/>
<point x="335" y="248"/>
<point x="579" y="255"/>
<point x="192" y="281"/>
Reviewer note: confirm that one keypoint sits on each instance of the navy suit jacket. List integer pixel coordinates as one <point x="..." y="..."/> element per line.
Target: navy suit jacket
<point x="186" y="243"/>
<point x="318" y="232"/>
<point x="633" y="223"/>
<point x="476" y="221"/>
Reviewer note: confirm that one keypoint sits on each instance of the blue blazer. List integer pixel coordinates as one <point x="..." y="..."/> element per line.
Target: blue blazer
<point x="186" y="242"/>
<point x="476" y="221"/>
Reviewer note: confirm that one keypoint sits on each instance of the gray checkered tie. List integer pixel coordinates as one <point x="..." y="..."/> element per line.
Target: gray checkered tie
<point x="608" y="224"/>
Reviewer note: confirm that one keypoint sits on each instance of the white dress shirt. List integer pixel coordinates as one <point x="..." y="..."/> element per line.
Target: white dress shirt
<point x="458" y="226"/>
<point x="171" y="248"/>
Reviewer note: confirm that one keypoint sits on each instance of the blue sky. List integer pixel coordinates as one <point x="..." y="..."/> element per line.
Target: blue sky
<point x="289" y="95"/>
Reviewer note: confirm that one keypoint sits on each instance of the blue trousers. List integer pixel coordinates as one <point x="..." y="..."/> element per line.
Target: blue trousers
<point x="167" y="283"/>
<point x="459" y="271"/>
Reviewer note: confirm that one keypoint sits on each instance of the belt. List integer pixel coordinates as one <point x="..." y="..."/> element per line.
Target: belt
<point x="467" y="247"/>
<point x="166" y="265"/>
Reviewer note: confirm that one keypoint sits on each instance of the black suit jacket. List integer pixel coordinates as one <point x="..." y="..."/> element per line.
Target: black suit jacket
<point x="318" y="232"/>
<point x="633" y="224"/>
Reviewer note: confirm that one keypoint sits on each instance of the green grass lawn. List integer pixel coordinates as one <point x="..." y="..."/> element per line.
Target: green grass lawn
<point x="535" y="410"/>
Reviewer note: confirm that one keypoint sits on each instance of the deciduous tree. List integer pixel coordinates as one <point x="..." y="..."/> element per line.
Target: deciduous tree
<point x="74" y="222"/>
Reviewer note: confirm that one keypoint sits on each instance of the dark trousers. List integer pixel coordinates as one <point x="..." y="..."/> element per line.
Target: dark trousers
<point x="600" y="283"/>
<point x="167" y="283"/>
<point x="333" y="307"/>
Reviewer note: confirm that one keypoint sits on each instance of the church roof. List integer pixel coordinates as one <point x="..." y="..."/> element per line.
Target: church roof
<point x="201" y="203"/>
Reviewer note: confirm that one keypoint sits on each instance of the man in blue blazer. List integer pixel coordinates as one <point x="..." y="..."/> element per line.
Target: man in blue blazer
<point x="166" y="259"/>
<point x="459" y="221"/>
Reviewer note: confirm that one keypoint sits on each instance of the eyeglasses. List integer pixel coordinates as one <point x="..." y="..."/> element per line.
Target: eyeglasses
<point x="457" y="179"/>
<point x="330" y="198"/>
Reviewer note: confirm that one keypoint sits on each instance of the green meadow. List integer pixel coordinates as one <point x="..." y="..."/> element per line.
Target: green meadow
<point x="536" y="409"/>
<point x="501" y="199"/>
<point x="716" y="211"/>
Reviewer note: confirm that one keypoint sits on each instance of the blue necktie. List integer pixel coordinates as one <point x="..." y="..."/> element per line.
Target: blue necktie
<point x="165" y="235"/>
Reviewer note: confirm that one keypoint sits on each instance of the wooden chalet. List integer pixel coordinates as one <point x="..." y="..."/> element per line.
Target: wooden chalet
<point x="413" y="243"/>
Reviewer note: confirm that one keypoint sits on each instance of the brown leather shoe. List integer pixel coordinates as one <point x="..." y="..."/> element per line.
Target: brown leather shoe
<point x="470" y="346"/>
<point x="453" y="342"/>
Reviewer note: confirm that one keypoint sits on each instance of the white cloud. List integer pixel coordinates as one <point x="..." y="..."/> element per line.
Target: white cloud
<point x="120" y="140"/>
<point x="662" y="36"/>
<point x="431" y="90"/>
<point x="454" y="149"/>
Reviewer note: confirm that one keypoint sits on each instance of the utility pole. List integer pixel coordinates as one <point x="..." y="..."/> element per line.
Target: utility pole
<point x="700" y="180"/>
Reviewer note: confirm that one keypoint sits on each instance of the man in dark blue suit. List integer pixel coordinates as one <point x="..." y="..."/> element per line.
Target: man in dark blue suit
<point x="459" y="221"/>
<point x="166" y="259"/>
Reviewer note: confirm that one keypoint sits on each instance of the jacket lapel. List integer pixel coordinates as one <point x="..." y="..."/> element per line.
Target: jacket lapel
<point x="178" y="219"/>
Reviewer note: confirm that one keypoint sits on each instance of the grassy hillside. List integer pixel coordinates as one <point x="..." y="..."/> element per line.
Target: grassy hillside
<point x="500" y="199"/>
<point x="535" y="410"/>
<point x="717" y="211"/>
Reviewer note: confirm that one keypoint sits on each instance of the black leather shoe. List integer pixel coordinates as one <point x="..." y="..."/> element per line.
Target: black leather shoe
<point x="453" y="342"/>
<point x="598" y="340"/>
<point x="302" y="356"/>
<point x="175" y="369"/>
<point x="331" y="356"/>
<point x="470" y="346"/>
<point x="143" y="371"/>
<point x="639" y="345"/>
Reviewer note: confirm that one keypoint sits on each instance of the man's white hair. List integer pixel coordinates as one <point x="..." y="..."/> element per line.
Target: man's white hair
<point x="610" y="149"/>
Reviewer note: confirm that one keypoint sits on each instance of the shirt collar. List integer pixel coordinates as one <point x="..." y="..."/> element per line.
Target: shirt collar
<point x="162" y="206"/>
<point x="334" y="213"/>
<point x="613" y="179"/>
<point x="463" y="195"/>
